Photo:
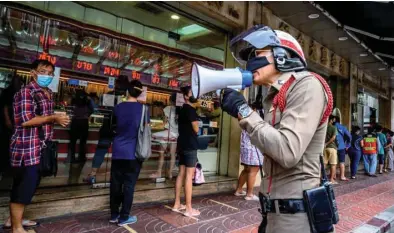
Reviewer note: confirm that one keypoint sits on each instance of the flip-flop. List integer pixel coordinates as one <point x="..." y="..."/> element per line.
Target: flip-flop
<point x="182" y="207"/>
<point x="194" y="213"/>
<point x="25" y="223"/>
<point x="241" y="194"/>
<point x="346" y="179"/>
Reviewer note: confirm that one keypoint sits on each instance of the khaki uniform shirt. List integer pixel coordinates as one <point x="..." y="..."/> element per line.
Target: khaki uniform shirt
<point x="293" y="145"/>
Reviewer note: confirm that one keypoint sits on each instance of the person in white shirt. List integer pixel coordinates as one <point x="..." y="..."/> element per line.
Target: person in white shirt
<point x="167" y="137"/>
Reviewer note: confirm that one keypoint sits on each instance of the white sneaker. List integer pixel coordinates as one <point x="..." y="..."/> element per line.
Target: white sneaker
<point x="252" y="198"/>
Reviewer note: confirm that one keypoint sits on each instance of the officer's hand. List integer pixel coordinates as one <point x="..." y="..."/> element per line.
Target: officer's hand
<point x="231" y="101"/>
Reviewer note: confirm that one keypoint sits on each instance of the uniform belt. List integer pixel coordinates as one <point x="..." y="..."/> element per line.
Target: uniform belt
<point x="287" y="206"/>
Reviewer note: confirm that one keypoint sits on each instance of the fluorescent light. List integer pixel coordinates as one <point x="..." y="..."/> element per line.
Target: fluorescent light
<point x="191" y="29"/>
<point x="382" y="68"/>
<point x="176" y="17"/>
<point x="343" y="38"/>
<point x="313" y="16"/>
<point x="363" y="54"/>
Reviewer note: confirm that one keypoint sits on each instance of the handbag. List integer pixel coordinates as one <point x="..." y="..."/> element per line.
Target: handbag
<point x="144" y="143"/>
<point x="199" y="178"/>
<point x="48" y="154"/>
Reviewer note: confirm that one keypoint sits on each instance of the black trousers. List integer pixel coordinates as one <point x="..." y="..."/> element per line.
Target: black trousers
<point x="79" y="129"/>
<point x="124" y="176"/>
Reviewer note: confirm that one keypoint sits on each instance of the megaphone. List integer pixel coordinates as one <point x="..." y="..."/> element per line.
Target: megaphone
<point x="206" y="80"/>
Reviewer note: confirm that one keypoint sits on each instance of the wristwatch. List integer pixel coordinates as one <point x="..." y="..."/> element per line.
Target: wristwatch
<point x="244" y="111"/>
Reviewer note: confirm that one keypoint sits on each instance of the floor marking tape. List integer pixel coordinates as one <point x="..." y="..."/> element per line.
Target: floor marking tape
<point x="181" y="213"/>
<point x="229" y="206"/>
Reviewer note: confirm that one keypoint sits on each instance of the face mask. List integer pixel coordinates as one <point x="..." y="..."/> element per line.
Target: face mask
<point x="44" y="80"/>
<point x="192" y="99"/>
<point x="256" y="63"/>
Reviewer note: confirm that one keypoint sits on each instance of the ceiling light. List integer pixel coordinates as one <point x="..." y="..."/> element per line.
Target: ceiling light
<point x="343" y="38"/>
<point x="363" y="54"/>
<point x="382" y="68"/>
<point x="176" y="17"/>
<point x="313" y="16"/>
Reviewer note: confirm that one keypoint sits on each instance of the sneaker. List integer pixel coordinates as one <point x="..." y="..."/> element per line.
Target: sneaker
<point x="90" y="179"/>
<point x="130" y="220"/>
<point x="114" y="219"/>
<point x="252" y="198"/>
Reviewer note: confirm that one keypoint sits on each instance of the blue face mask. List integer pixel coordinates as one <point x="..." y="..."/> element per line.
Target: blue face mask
<point x="44" y="80"/>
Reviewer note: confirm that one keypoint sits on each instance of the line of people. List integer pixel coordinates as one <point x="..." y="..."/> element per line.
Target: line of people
<point x="375" y="148"/>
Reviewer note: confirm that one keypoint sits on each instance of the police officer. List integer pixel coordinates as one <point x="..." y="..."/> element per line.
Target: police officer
<point x="293" y="130"/>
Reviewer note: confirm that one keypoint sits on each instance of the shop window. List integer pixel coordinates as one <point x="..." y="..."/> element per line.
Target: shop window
<point x="90" y="60"/>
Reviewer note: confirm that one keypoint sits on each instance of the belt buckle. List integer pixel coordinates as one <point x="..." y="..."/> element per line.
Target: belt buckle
<point x="292" y="206"/>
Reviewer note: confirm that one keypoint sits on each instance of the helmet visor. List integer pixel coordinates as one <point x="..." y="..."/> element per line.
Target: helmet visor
<point x="258" y="37"/>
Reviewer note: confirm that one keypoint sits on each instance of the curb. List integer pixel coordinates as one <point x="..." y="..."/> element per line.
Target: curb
<point x="380" y="223"/>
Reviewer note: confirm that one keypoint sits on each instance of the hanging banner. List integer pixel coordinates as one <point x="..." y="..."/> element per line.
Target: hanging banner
<point x="111" y="82"/>
<point x="54" y="86"/>
<point x="143" y="95"/>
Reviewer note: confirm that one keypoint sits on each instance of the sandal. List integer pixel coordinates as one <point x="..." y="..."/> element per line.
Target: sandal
<point x="154" y="176"/>
<point x="182" y="207"/>
<point x="345" y="179"/>
<point x="194" y="213"/>
<point x="241" y="194"/>
<point x="25" y="223"/>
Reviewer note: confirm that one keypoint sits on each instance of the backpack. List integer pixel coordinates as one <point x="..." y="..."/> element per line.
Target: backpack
<point x="280" y="98"/>
<point x="144" y="144"/>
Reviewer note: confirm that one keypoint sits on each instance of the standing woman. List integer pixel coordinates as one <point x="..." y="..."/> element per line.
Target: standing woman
<point x="389" y="152"/>
<point x="168" y="137"/>
<point x="355" y="151"/>
<point x="125" y="167"/>
<point x="251" y="159"/>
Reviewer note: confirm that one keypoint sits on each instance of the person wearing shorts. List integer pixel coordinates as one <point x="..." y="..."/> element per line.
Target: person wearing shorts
<point x="187" y="151"/>
<point x="330" y="151"/>
<point x="26" y="145"/>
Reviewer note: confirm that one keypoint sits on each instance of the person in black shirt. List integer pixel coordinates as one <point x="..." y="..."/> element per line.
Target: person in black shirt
<point x="187" y="151"/>
<point x="7" y="121"/>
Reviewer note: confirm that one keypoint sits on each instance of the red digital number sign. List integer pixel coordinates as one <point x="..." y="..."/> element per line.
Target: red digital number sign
<point x="45" y="56"/>
<point x="135" y="75"/>
<point x="137" y="61"/>
<point x="155" y="79"/>
<point x="173" y="83"/>
<point x="51" y="41"/>
<point x="111" y="71"/>
<point x="113" y="55"/>
<point x="84" y="65"/>
<point x="87" y="49"/>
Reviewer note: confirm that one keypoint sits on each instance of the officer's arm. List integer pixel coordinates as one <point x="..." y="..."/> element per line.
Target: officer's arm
<point x="300" y="119"/>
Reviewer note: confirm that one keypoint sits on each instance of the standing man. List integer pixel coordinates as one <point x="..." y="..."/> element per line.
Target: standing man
<point x="330" y="151"/>
<point x="383" y="142"/>
<point x="292" y="134"/>
<point x="25" y="143"/>
<point x="343" y="139"/>
<point x="370" y="150"/>
<point x="187" y="151"/>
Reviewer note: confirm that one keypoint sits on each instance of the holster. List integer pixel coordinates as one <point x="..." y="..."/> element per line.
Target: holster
<point x="319" y="207"/>
<point x="265" y="204"/>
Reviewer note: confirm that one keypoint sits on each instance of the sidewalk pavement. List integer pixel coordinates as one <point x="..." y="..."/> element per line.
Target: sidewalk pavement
<point x="365" y="205"/>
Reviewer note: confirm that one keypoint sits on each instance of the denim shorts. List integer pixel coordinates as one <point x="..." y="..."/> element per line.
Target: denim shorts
<point x="341" y="156"/>
<point x="188" y="158"/>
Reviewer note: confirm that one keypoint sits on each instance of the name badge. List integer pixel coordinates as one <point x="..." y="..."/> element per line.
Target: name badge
<point x="281" y="82"/>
